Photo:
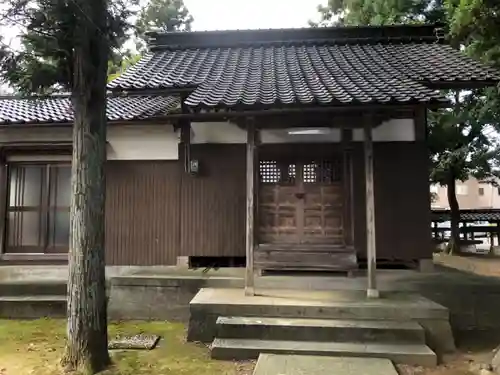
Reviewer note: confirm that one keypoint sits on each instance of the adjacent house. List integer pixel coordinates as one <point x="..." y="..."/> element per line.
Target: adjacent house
<point x="471" y="194"/>
<point x="296" y="149"/>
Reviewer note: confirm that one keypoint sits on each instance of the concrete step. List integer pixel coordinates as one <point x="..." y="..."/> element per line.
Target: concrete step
<point x="302" y="329"/>
<point x="32" y="307"/>
<point x="241" y="349"/>
<point x="273" y="364"/>
<point x="32" y="288"/>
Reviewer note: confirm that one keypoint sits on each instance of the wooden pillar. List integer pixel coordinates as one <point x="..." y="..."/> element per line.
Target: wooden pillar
<point x="348" y="212"/>
<point x="3" y="202"/>
<point x="185" y="140"/>
<point x="252" y="172"/>
<point x="372" y="291"/>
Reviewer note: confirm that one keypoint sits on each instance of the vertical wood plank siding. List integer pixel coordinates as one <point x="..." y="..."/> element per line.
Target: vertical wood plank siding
<point x="402" y="201"/>
<point x="213" y="203"/>
<point x="156" y="212"/>
<point x="142" y="212"/>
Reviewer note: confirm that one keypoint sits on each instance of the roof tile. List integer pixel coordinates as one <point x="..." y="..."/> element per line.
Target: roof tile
<point x="59" y="109"/>
<point x="304" y="74"/>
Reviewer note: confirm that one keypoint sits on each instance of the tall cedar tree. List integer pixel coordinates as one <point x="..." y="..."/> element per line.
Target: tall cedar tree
<point x="459" y="139"/>
<point x="66" y="46"/>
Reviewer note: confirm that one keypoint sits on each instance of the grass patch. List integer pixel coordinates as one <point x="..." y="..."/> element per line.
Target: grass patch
<point x="35" y="347"/>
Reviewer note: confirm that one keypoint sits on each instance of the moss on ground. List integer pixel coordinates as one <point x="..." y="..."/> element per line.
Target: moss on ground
<point x="35" y="347"/>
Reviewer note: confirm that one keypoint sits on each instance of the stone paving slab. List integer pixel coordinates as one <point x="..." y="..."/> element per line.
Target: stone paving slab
<point x="272" y="364"/>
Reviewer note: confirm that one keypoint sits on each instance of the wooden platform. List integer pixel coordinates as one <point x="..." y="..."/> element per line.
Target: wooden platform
<point x="305" y="257"/>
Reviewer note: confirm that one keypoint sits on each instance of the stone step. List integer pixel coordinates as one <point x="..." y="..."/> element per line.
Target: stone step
<point x="273" y="364"/>
<point x="32" y="288"/>
<point x="289" y="329"/>
<point x="242" y="349"/>
<point x="32" y="307"/>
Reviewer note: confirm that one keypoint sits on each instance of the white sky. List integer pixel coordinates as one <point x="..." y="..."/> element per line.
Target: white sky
<point x="233" y="14"/>
<point x="251" y="14"/>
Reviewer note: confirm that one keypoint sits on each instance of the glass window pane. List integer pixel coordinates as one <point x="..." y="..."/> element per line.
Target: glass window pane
<point x="60" y="190"/>
<point x="14" y="186"/>
<point x="59" y="228"/>
<point x="24" y="228"/>
<point x="26" y="186"/>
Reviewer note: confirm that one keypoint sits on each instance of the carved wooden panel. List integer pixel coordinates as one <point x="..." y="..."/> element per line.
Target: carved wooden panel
<point x="300" y="201"/>
<point x="277" y="202"/>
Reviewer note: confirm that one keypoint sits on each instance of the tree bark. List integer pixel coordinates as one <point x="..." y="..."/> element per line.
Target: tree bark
<point x="454" y="244"/>
<point x="87" y="341"/>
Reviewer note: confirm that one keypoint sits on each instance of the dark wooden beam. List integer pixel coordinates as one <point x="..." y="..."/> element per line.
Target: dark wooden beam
<point x="420" y="120"/>
<point x="42" y="145"/>
<point x="349" y="120"/>
<point x="185" y="125"/>
<point x="252" y="173"/>
<point x="224" y="115"/>
<point x="186" y="144"/>
<point x="372" y="291"/>
<point x="385" y="111"/>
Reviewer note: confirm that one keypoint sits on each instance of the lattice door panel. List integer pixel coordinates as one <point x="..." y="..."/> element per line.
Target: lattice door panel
<point x="300" y="202"/>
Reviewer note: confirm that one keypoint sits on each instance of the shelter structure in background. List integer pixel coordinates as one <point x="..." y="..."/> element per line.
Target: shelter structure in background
<point x="479" y="229"/>
<point x="293" y="150"/>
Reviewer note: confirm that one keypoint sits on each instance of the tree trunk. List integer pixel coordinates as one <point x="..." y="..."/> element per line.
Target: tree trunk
<point x="454" y="244"/>
<point x="87" y="342"/>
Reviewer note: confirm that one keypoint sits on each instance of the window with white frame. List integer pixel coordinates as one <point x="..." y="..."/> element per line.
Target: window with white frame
<point x="38" y="207"/>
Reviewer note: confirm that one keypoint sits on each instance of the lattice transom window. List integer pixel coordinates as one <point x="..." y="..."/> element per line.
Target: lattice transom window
<point x="273" y="172"/>
<point x="325" y="171"/>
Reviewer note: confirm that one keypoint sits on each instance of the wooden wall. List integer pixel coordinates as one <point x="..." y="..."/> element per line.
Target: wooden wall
<point x="152" y="219"/>
<point x="156" y="212"/>
<point x="402" y="201"/>
<point x="213" y="204"/>
<point x="142" y="212"/>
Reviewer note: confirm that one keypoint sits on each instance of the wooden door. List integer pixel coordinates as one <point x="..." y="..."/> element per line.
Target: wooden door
<point x="278" y="202"/>
<point x="300" y="202"/>
<point x="322" y="203"/>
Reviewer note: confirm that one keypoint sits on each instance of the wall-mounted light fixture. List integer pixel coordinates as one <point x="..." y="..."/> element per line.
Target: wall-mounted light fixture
<point x="194" y="167"/>
<point x="309" y="131"/>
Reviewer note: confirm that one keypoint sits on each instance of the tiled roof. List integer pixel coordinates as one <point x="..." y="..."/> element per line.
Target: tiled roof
<point x="468" y="215"/>
<point x="59" y="109"/>
<point x="353" y="65"/>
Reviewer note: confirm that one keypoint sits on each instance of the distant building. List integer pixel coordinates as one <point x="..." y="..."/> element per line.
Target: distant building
<point x="471" y="194"/>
